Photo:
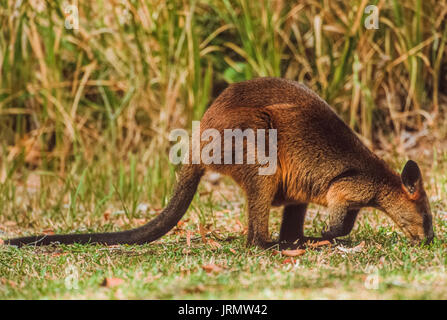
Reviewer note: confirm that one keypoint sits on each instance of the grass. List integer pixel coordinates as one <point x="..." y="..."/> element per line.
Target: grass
<point x="166" y="271"/>
<point x="134" y="70"/>
<point x="221" y="267"/>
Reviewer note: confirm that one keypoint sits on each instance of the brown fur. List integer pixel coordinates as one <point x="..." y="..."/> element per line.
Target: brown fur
<point x="320" y="160"/>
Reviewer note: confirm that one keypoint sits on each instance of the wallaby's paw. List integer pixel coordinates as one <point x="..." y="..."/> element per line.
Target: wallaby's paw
<point x="266" y="245"/>
<point x="328" y="235"/>
<point x="269" y="245"/>
<point x="298" y="244"/>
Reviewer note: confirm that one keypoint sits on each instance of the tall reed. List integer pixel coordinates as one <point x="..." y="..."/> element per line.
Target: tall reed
<point x="136" y="69"/>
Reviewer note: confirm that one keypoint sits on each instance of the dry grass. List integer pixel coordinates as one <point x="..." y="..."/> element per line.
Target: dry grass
<point x="136" y="69"/>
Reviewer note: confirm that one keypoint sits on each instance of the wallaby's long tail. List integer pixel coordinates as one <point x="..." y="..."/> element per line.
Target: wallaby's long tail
<point x="185" y="189"/>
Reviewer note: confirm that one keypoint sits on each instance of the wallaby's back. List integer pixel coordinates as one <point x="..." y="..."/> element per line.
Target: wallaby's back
<point x="314" y="145"/>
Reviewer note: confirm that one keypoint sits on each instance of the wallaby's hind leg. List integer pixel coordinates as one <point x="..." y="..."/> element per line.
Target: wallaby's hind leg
<point x="292" y="225"/>
<point x="258" y="222"/>
<point x="259" y="201"/>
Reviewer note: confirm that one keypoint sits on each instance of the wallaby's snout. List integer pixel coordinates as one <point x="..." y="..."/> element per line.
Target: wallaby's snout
<point x="421" y="231"/>
<point x="412" y="209"/>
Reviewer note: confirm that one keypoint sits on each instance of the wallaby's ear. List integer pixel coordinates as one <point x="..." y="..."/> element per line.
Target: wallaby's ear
<point x="411" y="177"/>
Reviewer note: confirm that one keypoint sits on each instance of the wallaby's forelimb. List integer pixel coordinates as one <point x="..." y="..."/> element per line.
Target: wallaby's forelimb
<point x="341" y="222"/>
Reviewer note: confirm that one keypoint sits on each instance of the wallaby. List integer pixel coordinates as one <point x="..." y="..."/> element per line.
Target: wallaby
<point x="319" y="160"/>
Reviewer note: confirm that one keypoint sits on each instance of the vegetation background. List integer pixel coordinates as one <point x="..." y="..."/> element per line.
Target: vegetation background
<point x="85" y="115"/>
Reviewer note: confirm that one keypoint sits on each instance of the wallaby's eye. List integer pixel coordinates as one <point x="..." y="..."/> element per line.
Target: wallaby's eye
<point x="411" y="176"/>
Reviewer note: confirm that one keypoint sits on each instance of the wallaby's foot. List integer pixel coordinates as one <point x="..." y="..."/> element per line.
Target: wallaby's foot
<point x="262" y="243"/>
<point x="269" y="245"/>
<point x="284" y="245"/>
<point x="330" y="236"/>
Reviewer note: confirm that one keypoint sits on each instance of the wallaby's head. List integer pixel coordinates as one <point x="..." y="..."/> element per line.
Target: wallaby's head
<point x="411" y="210"/>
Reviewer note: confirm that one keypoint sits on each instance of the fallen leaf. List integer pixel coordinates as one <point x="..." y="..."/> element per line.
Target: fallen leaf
<point x="293" y="253"/>
<point x="188" y="238"/>
<point x="214" y="245"/>
<point x="48" y="232"/>
<point x="356" y="249"/>
<point x="319" y="244"/>
<point x="233" y="251"/>
<point x="212" y="268"/>
<point x="106" y="215"/>
<point x="289" y="260"/>
<point x="56" y="254"/>
<point x="112" y="282"/>
<point x="202" y="232"/>
<point x="180" y="223"/>
<point x="10" y="282"/>
<point x="239" y="226"/>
